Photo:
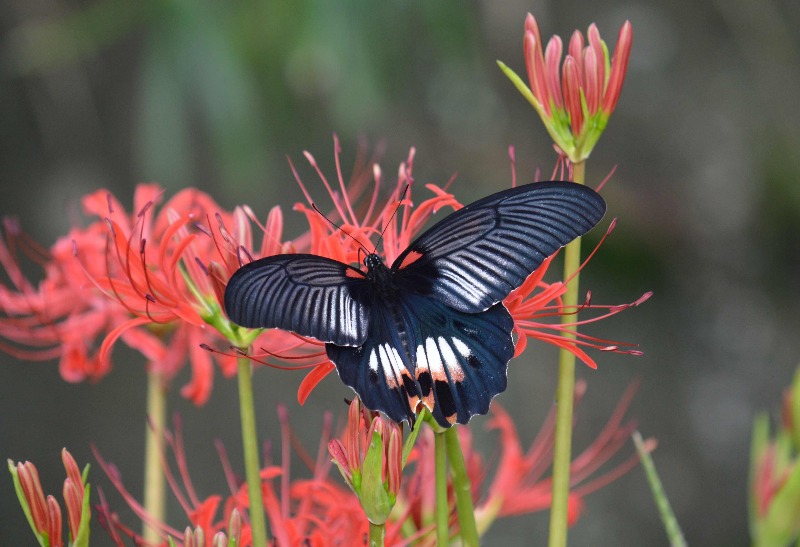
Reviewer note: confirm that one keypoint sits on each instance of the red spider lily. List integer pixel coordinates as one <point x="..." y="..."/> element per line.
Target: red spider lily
<point x="153" y="279"/>
<point x="153" y="265"/>
<point x="59" y="317"/>
<point x="576" y="99"/>
<point x="65" y="315"/>
<point x="370" y="460"/>
<point x="519" y="485"/>
<point x="319" y="512"/>
<point x="313" y="511"/>
<point x="44" y="514"/>
<point x="536" y="300"/>
<point x="400" y="222"/>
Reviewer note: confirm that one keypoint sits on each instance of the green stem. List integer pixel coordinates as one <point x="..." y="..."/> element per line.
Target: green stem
<point x="154" y="485"/>
<point x="442" y="508"/>
<point x="377" y="533"/>
<point x="671" y="525"/>
<point x="565" y="393"/>
<point x="252" y="468"/>
<point x="462" y="489"/>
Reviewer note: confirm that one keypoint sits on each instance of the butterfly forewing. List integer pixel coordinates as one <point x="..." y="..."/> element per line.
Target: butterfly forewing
<point x="476" y="256"/>
<point x="420" y="351"/>
<point x="306" y="294"/>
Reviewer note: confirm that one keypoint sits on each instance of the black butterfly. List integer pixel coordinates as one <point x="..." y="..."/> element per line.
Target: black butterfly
<point x="431" y="329"/>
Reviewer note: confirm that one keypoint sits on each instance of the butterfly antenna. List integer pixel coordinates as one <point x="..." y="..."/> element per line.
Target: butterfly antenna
<point x="402" y="197"/>
<point x="332" y="223"/>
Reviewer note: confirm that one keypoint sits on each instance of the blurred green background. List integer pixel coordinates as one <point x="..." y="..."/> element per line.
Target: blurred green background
<point x="217" y="94"/>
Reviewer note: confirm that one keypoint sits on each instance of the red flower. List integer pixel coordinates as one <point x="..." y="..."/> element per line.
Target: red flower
<point x="519" y="484"/>
<point x="370" y="459"/>
<point x="317" y="511"/>
<point x="574" y="100"/>
<point x="536" y="300"/>
<point x="153" y="279"/>
<point x="60" y="317"/>
<point x="153" y="265"/>
<point x="44" y="514"/>
<point x="314" y="511"/>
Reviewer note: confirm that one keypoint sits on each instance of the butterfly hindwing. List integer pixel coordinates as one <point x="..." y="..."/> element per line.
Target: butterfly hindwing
<point x="420" y="351"/>
<point x="475" y="257"/>
<point x="307" y="294"/>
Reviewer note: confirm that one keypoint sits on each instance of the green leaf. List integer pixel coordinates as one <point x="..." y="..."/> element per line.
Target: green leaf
<point x="82" y="539"/>
<point x="412" y="436"/>
<point x="374" y="498"/>
<point x="522" y="88"/>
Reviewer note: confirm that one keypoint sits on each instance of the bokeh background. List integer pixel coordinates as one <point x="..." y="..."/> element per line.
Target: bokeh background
<point x="108" y="93"/>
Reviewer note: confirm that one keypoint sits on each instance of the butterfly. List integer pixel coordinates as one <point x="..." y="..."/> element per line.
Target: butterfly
<point x="431" y="329"/>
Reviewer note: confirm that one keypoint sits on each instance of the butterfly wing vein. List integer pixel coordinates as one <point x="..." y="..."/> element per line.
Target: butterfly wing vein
<point x="306" y="294"/>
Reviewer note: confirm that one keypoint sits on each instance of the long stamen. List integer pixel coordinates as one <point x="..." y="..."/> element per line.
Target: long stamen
<point x="238" y="353"/>
<point x="321" y="175"/>
<point x="376" y="177"/>
<point x="337" y="151"/>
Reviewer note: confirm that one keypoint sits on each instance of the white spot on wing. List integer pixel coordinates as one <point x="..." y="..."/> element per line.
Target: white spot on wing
<point x="392" y="364"/>
<point x="462" y="348"/>
<point x="385" y="363"/>
<point x="422" y="359"/>
<point x="373" y="361"/>
<point x="450" y="359"/>
<point x="399" y="366"/>
<point x="434" y="358"/>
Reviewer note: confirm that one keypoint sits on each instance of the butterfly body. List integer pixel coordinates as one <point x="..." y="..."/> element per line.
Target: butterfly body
<point x="384" y="287"/>
<point x="431" y="328"/>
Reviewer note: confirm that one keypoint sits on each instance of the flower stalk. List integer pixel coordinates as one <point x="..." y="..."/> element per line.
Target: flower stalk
<point x="442" y="508"/>
<point x="671" y="525"/>
<point x="377" y="534"/>
<point x="574" y="100"/>
<point x="252" y="465"/>
<point x="154" y="483"/>
<point x="565" y="392"/>
<point x="462" y="489"/>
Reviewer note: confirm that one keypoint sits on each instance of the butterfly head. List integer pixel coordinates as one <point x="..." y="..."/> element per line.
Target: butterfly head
<point x="373" y="262"/>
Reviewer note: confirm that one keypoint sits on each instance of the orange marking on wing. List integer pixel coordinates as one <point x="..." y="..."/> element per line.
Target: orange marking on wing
<point x="413" y="403"/>
<point x="428" y="401"/>
<point x="410" y="258"/>
<point x="456" y="374"/>
<point x="353" y="273"/>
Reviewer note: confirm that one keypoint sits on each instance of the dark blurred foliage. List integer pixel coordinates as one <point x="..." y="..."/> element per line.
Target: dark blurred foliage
<point x="216" y="94"/>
